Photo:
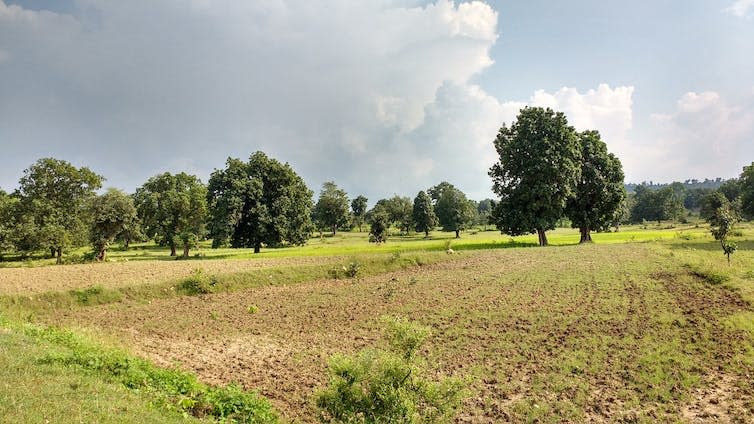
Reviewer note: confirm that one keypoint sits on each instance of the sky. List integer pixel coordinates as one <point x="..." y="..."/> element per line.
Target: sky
<point x="383" y="97"/>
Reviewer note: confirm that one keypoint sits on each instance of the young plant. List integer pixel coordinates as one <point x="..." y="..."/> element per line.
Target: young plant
<point x="721" y="223"/>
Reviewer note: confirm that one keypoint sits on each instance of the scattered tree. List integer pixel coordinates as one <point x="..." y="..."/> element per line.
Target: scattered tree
<point x="399" y="212"/>
<point x="259" y="202"/>
<point x="454" y="211"/>
<point x="359" y="210"/>
<point x="731" y="189"/>
<point x="173" y="209"/>
<point x="53" y="211"/>
<point x="656" y="205"/>
<point x="599" y="189"/>
<point x="112" y="214"/>
<point x="747" y="191"/>
<point x="331" y="210"/>
<point x="721" y="225"/>
<point x="379" y="223"/>
<point x="536" y="174"/>
<point x="423" y="214"/>
<point x="8" y="205"/>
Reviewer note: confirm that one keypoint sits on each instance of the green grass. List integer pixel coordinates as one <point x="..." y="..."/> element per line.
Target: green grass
<point x="102" y="384"/>
<point x="355" y="243"/>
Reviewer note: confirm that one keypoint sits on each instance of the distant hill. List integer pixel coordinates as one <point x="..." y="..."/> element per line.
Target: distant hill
<point x="688" y="184"/>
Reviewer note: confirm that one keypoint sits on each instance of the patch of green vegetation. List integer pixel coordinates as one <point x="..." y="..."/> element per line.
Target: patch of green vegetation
<point x="95" y="295"/>
<point x="170" y="390"/>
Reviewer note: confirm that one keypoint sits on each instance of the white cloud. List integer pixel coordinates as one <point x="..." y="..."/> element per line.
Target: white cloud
<point x="740" y="8"/>
<point x="338" y="88"/>
<point x="704" y="136"/>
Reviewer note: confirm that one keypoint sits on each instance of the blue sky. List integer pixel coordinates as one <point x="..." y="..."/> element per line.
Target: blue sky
<point x="383" y="97"/>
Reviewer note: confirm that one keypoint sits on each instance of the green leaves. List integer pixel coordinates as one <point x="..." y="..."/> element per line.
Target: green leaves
<point x="537" y="171"/>
<point x="331" y="210"/>
<point x="423" y="214"/>
<point x="259" y="202"/>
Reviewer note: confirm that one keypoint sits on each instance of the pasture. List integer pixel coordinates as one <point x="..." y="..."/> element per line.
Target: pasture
<point x="645" y="325"/>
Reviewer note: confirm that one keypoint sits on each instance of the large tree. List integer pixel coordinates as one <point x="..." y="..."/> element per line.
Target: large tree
<point x="746" y="184"/>
<point x="599" y="189"/>
<point x="331" y="210"/>
<point x="173" y="210"/>
<point x="112" y="214"/>
<point x="656" y="205"/>
<point x="399" y="212"/>
<point x="53" y="211"/>
<point x="424" y="216"/>
<point x="261" y="202"/>
<point x="359" y="210"/>
<point x="454" y="211"/>
<point x="538" y="168"/>
<point x="8" y="206"/>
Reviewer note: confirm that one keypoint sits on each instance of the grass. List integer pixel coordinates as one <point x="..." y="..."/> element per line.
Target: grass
<point x="646" y="325"/>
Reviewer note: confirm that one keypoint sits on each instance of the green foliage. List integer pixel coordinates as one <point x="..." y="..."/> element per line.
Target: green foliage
<point x="173" y="210"/>
<point x="721" y="225"/>
<point x="113" y="213"/>
<point x="52" y="210"/>
<point x="259" y="202"/>
<point x="8" y="205"/>
<point x="95" y="295"/>
<point x="379" y="222"/>
<point x="331" y="210"/>
<point x="423" y="214"/>
<point x="710" y="203"/>
<point x="599" y="190"/>
<point x="747" y="191"/>
<point x="454" y="211"/>
<point x="175" y="388"/>
<point x="537" y="171"/>
<point x="199" y="282"/>
<point x="388" y="386"/>
<point x="359" y="210"/>
<point x="398" y="211"/>
<point x="657" y="205"/>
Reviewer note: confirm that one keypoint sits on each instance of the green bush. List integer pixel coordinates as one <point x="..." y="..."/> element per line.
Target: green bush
<point x="388" y="386"/>
<point x="199" y="282"/>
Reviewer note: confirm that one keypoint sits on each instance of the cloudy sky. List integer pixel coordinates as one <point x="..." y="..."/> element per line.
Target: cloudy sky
<point x="381" y="96"/>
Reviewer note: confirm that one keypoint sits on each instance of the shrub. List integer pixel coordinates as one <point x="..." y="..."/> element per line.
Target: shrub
<point x="352" y="269"/>
<point x="198" y="282"/>
<point x="388" y="386"/>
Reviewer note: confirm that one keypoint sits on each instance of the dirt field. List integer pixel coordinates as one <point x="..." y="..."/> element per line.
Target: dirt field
<point x="571" y="334"/>
<point x="29" y="281"/>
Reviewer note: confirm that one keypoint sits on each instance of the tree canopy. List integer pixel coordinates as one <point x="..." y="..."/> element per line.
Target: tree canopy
<point x="746" y="184"/>
<point x="599" y="188"/>
<point x="258" y="202"/>
<point x="656" y="205"/>
<point x="331" y="210"/>
<point x="359" y="210"/>
<point x="454" y="211"/>
<point x="423" y="214"/>
<point x="173" y="210"/>
<point x="53" y="211"/>
<point x="112" y="214"/>
<point x="538" y="167"/>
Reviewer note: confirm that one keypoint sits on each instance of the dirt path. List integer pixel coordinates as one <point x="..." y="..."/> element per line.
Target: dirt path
<point x="30" y="281"/>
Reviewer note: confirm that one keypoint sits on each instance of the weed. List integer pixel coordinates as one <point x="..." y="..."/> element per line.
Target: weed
<point x="199" y="282"/>
<point x="95" y="295"/>
<point x="252" y="309"/>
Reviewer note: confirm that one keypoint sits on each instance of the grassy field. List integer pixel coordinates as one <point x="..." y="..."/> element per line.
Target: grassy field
<point x="645" y="325"/>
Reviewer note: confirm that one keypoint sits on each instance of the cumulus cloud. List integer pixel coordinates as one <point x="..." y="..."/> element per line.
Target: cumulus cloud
<point x="705" y="135"/>
<point x="338" y="88"/>
<point x="740" y="8"/>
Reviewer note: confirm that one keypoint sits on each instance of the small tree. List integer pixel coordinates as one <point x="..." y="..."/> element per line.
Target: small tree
<point x="359" y="210"/>
<point x="331" y="210"/>
<point x="454" y="211"/>
<point x="112" y="214"/>
<point x="173" y="209"/>
<point x="423" y="215"/>
<point x="379" y="222"/>
<point x="388" y="385"/>
<point x="721" y="225"/>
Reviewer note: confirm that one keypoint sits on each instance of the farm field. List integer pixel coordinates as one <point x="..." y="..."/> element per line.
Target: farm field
<point x="642" y="326"/>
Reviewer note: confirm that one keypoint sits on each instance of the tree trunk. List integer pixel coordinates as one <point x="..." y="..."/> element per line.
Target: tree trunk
<point x="52" y="252"/>
<point x="542" y="237"/>
<point x="59" y="254"/>
<point x="101" y="254"/>
<point x="426" y="233"/>
<point x="172" y="249"/>
<point x="126" y="243"/>
<point x="586" y="235"/>
<point x="257" y="246"/>
<point x="458" y="233"/>
<point x="334" y="229"/>
<point x="185" y="250"/>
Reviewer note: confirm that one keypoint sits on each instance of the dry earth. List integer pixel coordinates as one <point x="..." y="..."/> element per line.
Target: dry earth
<point x="552" y="337"/>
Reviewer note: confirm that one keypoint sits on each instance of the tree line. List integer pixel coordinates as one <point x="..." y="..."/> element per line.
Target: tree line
<point x="547" y="172"/>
